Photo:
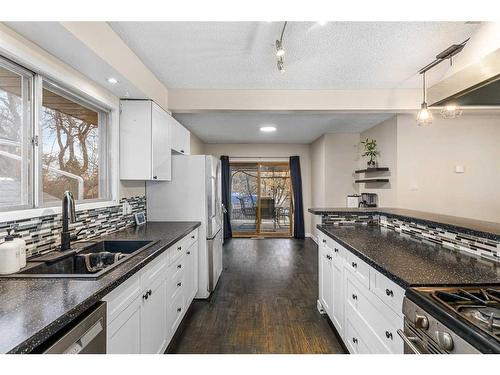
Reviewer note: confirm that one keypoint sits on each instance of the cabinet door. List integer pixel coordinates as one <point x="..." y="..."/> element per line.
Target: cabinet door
<point x="191" y="278"/>
<point x="338" y="296"/>
<point x="326" y="281"/>
<point x="154" y="318"/>
<point x="124" y="332"/>
<point x="135" y="140"/>
<point x="181" y="137"/>
<point x="161" y="155"/>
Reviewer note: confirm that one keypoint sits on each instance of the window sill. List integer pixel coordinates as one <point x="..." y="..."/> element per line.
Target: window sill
<point x="45" y="211"/>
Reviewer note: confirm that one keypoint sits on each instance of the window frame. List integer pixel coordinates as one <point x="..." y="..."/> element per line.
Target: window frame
<point x="104" y="159"/>
<point x="36" y="206"/>
<point x="27" y="153"/>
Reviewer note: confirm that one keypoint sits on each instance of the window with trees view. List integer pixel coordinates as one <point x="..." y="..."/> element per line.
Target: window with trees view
<point x="67" y="143"/>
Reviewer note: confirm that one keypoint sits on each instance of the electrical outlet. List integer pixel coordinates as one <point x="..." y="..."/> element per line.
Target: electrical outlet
<point x="126" y="209"/>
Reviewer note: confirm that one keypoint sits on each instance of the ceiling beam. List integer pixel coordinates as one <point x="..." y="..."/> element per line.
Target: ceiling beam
<point x="384" y="100"/>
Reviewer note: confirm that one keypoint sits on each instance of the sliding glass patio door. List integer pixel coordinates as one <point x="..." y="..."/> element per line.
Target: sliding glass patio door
<point x="261" y="199"/>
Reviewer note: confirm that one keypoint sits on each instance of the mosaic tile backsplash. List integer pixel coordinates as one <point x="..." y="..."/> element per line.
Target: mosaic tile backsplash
<point x="454" y="240"/>
<point x="42" y="234"/>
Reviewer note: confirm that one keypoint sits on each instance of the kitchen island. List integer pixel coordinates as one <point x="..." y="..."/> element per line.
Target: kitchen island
<point x="32" y="310"/>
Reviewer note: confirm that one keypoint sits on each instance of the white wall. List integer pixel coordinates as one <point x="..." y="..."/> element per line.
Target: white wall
<point x="197" y="146"/>
<point x="426" y="166"/>
<point x="386" y="135"/>
<point x="272" y="150"/>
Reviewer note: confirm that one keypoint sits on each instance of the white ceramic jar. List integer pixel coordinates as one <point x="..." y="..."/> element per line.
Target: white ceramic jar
<point x="9" y="255"/>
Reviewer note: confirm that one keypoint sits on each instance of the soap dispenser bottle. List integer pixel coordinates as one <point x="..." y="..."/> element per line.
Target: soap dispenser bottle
<point x="9" y="255"/>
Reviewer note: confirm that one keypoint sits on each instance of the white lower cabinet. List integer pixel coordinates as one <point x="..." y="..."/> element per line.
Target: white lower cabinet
<point x="364" y="305"/>
<point x="145" y="311"/>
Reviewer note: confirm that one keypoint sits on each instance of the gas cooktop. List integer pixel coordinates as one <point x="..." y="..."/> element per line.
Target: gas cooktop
<point x="471" y="312"/>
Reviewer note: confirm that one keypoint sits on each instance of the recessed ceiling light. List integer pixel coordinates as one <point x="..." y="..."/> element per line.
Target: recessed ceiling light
<point x="112" y="80"/>
<point x="322" y="23"/>
<point x="268" y="129"/>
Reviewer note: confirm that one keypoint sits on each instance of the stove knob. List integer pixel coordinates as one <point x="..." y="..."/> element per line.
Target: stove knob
<point x="444" y="340"/>
<point x="421" y="322"/>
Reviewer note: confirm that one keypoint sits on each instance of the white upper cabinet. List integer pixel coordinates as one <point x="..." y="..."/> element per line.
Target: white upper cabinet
<point x="145" y="141"/>
<point x="181" y="137"/>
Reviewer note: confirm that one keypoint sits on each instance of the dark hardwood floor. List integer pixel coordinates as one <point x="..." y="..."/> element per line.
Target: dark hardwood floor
<point x="265" y="302"/>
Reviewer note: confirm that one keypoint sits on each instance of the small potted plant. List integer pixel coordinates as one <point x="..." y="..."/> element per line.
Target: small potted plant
<point x="370" y="146"/>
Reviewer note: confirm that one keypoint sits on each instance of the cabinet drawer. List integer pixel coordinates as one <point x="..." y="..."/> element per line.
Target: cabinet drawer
<point x="121" y="297"/>
<point x="157" y="269"/>
<point x="358" y="268"/>
<point x="190" y="239"/>
<point x="379" y="318"/>
<point x="177" y="267"/>
<point x="176" y="312"/>
<point x="390" y="293"/>
<point x="175" y="285"/>
<point x="354" y="341"/>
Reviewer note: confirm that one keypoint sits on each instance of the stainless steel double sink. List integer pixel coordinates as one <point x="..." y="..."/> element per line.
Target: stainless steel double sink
<point x="88" y="260"/>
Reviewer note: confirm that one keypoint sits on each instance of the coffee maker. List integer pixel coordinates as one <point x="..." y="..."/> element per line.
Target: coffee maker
<point x="368" y="200"/>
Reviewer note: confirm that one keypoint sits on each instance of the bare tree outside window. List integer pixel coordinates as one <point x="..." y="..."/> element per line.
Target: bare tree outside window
<point x="70" y="137"/>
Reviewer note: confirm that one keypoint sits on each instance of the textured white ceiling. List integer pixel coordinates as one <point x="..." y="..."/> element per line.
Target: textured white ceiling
<point x="292" y="127"/>
<point x="339" y="55"/>
<point x="55" y="39"/>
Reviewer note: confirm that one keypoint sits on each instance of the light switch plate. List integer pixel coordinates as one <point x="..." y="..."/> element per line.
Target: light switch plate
<point x="459" y="169"/>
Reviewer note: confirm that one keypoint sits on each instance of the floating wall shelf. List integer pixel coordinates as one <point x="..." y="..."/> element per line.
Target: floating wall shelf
<point x="380" y="180"/>
<point x="369" y="170"/>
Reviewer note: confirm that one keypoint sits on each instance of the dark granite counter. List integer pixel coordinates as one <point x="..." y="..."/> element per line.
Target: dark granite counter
<point x="32" y="310"/>
<point x="478" y="228"/>
<point x="412" y="262"/>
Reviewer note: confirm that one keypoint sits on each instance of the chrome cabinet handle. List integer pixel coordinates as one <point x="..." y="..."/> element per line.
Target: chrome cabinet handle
<point x="388" y="334"/>
<point x="409" y="341"/>
<point x="389" y="293"/>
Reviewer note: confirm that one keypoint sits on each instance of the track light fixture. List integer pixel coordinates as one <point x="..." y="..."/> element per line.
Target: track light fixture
<point x="280" y="50"/>
<point x="424" y="116"/>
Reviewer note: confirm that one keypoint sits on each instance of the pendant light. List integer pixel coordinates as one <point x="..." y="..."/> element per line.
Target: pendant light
<point x="424" y="116"/>
<point x="280" y="51"/>
<point x="450" y="111"/>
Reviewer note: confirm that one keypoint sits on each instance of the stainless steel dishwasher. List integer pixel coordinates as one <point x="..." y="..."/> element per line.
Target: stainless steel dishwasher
<point x="86" y="336"/>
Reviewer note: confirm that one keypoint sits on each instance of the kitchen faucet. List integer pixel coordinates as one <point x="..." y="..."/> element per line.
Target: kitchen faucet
<point x="68" y="215"/>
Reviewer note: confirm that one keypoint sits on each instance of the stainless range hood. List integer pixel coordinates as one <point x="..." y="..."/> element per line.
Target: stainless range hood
<point x="474" y="78"/>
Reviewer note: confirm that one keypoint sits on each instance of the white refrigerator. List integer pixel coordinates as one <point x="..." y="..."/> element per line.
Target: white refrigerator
<point x="194" y="194"/>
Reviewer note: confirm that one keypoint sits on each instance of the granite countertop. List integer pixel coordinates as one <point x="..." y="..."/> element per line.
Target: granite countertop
<point x="487" y="229"/>
<point x="412" y="262"/>
<point x="32" y="310"/>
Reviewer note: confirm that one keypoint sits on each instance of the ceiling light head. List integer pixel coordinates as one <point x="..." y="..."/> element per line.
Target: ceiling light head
<point x="281" y="65"/>
<point x="424" y="116"/>
<point x="280" y="51"/>
<point x="112" y="80"/>
<point x="322" y="23"/>
<point x="268" y="129"/>
<point x="450" y="111"/>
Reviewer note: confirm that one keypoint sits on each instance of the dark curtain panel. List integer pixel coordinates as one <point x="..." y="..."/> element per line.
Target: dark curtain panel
<point x="298" y="205"/>
<point x="226" y="195"/>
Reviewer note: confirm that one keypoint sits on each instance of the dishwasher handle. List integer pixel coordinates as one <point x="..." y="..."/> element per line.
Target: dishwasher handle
<point x="87" y="335"/>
